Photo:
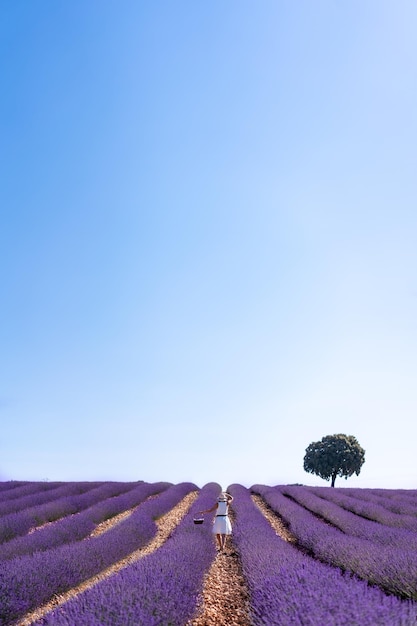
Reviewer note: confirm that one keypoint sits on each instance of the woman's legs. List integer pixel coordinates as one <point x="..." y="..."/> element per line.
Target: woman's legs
<point x="221" y="541"/>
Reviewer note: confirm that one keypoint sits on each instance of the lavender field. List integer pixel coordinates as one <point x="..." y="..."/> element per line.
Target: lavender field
<point x="96" y="554"/>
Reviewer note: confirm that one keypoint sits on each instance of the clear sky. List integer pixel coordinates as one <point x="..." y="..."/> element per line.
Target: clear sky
<point x="208" y="239"/>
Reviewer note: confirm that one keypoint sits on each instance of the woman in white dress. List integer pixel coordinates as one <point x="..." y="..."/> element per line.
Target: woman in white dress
<point x="221" y="526"/>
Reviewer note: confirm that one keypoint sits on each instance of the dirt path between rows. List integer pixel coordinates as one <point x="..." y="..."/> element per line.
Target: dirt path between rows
<point x="166" y="524"/>
<point x="103" y="527"/>
<point x="225" y="597"/>
<point x="275" y="521"/>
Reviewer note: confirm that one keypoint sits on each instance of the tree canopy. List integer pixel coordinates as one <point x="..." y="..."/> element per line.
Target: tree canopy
<point x="335" y="455"/>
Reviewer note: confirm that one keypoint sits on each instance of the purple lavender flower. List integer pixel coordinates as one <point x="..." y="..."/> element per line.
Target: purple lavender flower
<point x="288" y="587"/>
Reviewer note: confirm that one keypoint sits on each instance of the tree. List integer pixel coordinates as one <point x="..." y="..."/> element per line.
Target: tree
<point x="334" y="455"/>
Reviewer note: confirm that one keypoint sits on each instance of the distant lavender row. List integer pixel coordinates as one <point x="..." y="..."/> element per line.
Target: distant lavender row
<point x="8" y="486"/>
<point x="391" y="493"/>
<point x="10" y="500"/>
<point x="160" y="589"/>
<point x="25" y="489"/>
<point x="403" y="502"/>
<point x="349" y="522"/>
<point x="21" y="587"/>
<point x="93" y="507"/>
<point x="393" y="569"/>
<point x="48" y="495"/>
<point x="66" y="503"/>
<point x="395" y="494"/>
<point x="374" y="511"/>
<point x="288" y="588"/>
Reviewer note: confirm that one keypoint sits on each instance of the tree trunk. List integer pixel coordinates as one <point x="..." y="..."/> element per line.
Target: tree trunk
<point x="333" y="478"/>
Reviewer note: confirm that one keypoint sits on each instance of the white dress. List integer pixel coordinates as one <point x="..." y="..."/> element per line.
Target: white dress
<point x="222" y="525"/>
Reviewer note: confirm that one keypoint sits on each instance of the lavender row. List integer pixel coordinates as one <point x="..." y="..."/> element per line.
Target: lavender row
<point x="10" y="501"/>
<point x="68" y="502"/>
<point x="289" y="588"/>
<point x="409" y="495"/>
<point x="21" y="587"/>
<point x="6" y="487"/>
<point x="350" y="523"/>
<point x="403" y="502"/>
<point x="161" y="588"/>
<point x="35" y="499"/>
<point x="393" y="569"/>
<point x="25" y="489"/>
<point x="369" y="510"/>
<point x="393" y="493"/>
<point x="93" y="507"/>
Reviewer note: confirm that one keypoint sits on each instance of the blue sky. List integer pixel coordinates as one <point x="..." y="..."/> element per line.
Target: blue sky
<point x="208" y="239"/>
